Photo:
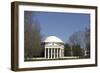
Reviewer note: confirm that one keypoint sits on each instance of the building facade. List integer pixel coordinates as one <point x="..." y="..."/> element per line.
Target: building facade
<point x="53" y="47"/>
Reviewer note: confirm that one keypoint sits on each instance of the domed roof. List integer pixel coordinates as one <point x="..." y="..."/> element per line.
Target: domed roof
<point x="53" y="39"/>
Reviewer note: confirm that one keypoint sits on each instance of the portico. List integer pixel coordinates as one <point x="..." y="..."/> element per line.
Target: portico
<point x="53" y="53"/>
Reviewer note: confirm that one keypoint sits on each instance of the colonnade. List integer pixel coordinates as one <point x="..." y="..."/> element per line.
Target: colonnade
<point x="53" y="53"/>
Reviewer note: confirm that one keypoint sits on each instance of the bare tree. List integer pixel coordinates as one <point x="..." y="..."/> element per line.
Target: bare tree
<point x="32" y="37"/>
<point x="82" y="39"/>
<point x="87" y="41"/>
<point x="76" y="43"/>
<point x="75" y="38"/>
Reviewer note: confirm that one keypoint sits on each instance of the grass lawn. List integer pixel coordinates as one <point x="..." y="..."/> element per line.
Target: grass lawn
<point x="46" y="59"/>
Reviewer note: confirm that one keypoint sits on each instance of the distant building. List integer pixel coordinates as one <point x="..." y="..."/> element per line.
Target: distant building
<point x="53" y="47"/>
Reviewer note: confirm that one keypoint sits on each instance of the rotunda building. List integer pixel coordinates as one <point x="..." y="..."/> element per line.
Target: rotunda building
<point x="53" y="47"/>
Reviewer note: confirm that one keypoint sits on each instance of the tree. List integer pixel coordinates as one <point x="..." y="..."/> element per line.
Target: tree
<point x="32" y="37"/>
<point x="81" y="40"/>
<point x="77" y="38"/>
<point x="76" y="42"/>
<point x="67" y="50"/>
<point x="87" y="41"/>
<point x="77" y="50"/>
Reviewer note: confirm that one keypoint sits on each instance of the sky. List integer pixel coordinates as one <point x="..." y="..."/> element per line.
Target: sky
<point x="61" y="25"/>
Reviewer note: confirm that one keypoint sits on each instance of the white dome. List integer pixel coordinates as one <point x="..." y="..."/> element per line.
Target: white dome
<point x="53" y="39"/>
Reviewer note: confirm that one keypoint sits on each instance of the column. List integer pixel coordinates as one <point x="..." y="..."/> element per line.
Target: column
<point x="60" y="52"/>
<point x="57" y="52"/>
<point x="51" y="53"/>
<point x="54" y="53"/>
<point x="48" y="53"/>
<point x="45" y="52"/>
<point x="63" y="52"/>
